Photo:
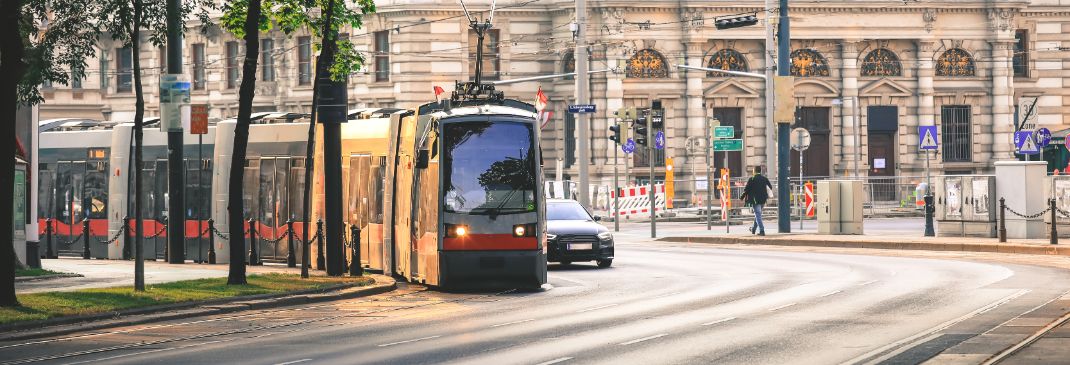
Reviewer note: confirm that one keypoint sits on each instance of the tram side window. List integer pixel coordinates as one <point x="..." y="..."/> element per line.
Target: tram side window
<point x="375" y="208"/>
<point x="44" y="192"/>
<point x="96" y="191"/>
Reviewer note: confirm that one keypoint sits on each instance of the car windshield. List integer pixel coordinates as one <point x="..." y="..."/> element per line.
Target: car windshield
<point x="489" y="167"/>
<point x="571" y="211"/>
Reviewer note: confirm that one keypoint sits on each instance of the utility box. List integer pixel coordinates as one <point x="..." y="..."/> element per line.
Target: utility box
<point x="1019" y="182"/>
<point x="965" y="205"/>
<point x="839" y="206"/>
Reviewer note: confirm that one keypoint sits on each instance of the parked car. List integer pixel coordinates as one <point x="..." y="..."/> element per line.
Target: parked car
<point x="574" y="234"/>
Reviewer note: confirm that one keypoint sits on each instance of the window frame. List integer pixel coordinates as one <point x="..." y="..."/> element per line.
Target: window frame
<point x="492" y="57"/>
<point x="382" y="56"/>
<point x="1020" y="57"/>
<point x="267" y="60"/>
<point x="819" y="67"/>
<point x="956" y="133"/>
<point x="199" y="82"/>
<point x="121" y="73"/>
<point x="304" y="60"/>
<point x="968" y="70"/>
<point x="647" y="69"/>
<point x="890" y="66"/>
<point x="232" y="52"/>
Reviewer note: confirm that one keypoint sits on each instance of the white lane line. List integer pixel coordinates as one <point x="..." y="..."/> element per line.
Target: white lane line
<point x="554" y="361"/>
<point x="597" y="308"/>
<point x="648" y="338"/>
<point x="867" y="283"/>
<point x="147" y="352"/>
<point x="781" y="307"/>
<point x="512" y="323"/>
<point x="719" y="321"/>
<point x="829" y="293"/>
<point x="408" y="341"/>
<point x="294" y="362"/>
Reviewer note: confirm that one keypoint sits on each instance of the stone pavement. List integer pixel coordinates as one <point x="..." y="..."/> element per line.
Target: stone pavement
<point x="110" y="273"/>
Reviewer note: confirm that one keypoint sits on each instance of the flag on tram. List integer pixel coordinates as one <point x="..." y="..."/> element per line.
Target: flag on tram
<point x="540" y="100"/>
<point x="544" y="118"/>
<point x="438" y="91"/>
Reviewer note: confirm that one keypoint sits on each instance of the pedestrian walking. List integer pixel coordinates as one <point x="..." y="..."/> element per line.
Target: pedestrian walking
<point x="755" y="194"/>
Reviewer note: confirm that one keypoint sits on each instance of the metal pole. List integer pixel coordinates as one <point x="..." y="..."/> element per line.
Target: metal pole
<point x="783" y="129"/>
<point x="85" y="239"/>
<point x="291" y="257"/>
<point x="802" y="212"/>
<point x="211" y="241"/>
<point x="582" y="85"/>
<point x="857" y="125"/>
<point x="652" y="159"/>
<point x="355" y="269"/>
<point x="200" y="197"/>
<point x="252" y="242"/>
<point x="320" y="264"/>
<point x="709" y="177"/>
<point x="1054" y="233"/>
<point x="332" y="180"/>
<point x="176" y="203"/>
<point x="48" y="239"/>
<point x="616" y="190"/>
<point x="1002" y="220"/>
<point x="770" y="69"/>
<point x="728" y="188"/>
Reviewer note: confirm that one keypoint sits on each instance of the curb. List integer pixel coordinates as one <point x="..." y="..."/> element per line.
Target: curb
<point x="23" y="279"/>
<point x="883" y="245"/>
<point x="71" y="324"/>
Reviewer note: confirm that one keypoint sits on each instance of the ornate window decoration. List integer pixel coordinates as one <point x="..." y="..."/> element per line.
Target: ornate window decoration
<point x="568" y="64"/>
<point x="647" y="64"/>
<point x="955" y="62"/>
<point x="808" y="63"/>
<point x="728" y="59"/>
<point x="882" y="62"/>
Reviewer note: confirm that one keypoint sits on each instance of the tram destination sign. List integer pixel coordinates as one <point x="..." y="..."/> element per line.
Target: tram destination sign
<point x="728" y="145"/>
<point x="581" y="109"/>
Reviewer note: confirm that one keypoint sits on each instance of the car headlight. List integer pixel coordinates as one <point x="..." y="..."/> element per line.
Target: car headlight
<point x="551" y="236"/>
<point x="605" y="236"/>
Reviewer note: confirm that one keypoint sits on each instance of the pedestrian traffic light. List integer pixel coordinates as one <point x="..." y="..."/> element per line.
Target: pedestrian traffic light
<point x="639" y="128"/>
<point x="657" y="116"/>
<point x="614" y="133"/>
<point x="736" y="21"/>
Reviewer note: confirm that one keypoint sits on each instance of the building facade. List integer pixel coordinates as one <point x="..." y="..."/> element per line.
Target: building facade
<point x="867" y="73"/>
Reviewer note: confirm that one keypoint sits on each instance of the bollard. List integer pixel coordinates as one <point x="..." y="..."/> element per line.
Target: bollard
<point x="126" y="238"/>
<point x="320" y="261"/>
<point x="211" y="241"/>
<point x="345" y="264"/>
<point x="929" y="210"/>
<point x="1054" y="232"/>
<point x="1002" y="220"/>
<point x="49" y="253"/>
<point x="85" y="239"/>
<point x="252" y="243"/>
<point x="291" y="257"/>
<point x="355" y="269"/>
<point x="156" y="243"/>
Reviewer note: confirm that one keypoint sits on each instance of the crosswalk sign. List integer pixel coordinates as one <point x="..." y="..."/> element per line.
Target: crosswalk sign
<point x="1025" y="144"/>
<point x="927" y="137"/>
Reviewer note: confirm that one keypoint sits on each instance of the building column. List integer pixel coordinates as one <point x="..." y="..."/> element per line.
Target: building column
<point x="853" y="155"/>
<point x="926" y="104"/>
<point x="1002" y="103"/>
<point x="696" y="114"/>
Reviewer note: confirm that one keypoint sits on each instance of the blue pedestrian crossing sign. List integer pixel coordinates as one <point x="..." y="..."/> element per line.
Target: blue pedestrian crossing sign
<point x="927" y="137"/>
<point x="659" y="140"/>
<point x="1025" y="143"/>
<point x="1043" y="137"/>
<point x="629" y="146"/>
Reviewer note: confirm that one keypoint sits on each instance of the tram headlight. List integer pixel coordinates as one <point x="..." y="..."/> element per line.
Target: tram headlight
<point x="519" y="230"/>
<point x="456" y="230"/>
<point x="605" y="236"/>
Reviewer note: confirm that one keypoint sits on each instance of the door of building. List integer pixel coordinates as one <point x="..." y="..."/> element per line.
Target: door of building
<point x="816" y="157"/>
<point x="883" y="124"/>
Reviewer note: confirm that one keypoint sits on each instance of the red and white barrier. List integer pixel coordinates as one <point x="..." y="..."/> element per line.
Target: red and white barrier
<point x="636" y="201"/>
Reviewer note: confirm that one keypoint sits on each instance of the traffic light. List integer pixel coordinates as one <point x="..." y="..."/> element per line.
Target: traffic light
<point x="615" y="133"/>
<point x="625" y="114"/>
<point x="736" y="21"/>
<point x="639" y="128"/>
<point x="657" y="116"/>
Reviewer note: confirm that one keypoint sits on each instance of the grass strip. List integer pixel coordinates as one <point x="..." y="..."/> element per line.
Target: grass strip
<point x="34" y="272"/>
<point x="39" y="306"/>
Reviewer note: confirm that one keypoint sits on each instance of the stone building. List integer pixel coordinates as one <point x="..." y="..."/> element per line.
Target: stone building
<point x="868" y="73"/>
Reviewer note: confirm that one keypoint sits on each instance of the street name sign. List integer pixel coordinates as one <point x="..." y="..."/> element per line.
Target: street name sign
<point x="728" y="145"/>
<point x="581" y="108"/>
<point x="724" y="132"/>
<point x="927" y="137"/>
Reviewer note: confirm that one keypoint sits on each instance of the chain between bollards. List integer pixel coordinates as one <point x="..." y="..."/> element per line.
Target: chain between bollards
<point x="320" y="260"/>
<point x="355" y="269"/>
<point x="211" y="241"/>
<point x="1054" y="222"/>
<point x="85" y="239"/>
<point x="291" y="255"/>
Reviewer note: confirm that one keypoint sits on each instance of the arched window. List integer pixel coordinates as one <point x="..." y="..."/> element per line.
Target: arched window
<point x="808" y="63"/>
<point x="881" y="62"/>
<point x="647" y="64"/>
<point x="727" y="59"/>
<point x="568" y="64"/>
<point x="955" y="62"/>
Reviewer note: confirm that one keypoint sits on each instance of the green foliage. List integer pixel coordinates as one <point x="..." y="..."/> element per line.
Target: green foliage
<point x="59" y="37"/>
<point x="34" y="272"/>
<point x="290" y="16"/>
<point x="115" y="18"/>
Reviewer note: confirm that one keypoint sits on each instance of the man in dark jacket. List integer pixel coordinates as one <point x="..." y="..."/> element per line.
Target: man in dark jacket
<point x="755" y="195"/>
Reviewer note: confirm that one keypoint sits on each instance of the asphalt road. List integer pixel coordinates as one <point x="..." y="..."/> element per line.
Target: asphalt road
<point x="659" y="303"/>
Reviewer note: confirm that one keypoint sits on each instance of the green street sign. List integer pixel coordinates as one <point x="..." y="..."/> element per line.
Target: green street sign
<point x="724" y="132"/>
<point x="728" y="145"/>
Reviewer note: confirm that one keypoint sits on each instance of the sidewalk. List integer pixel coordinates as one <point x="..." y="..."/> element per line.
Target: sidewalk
<point x="110" y="273"/>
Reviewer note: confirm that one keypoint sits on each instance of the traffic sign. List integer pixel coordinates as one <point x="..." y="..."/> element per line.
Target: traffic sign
<point x="927" y="137"/>
<point x="1027" y="113"/>
<point x="198" y="119"/>
<point x="724" y="132"/>
<point x="174" y="102"/>
<point x="1043" y="137"/>
<point x="659" y="140"/>
<point x="728" y="145"/>
<point x="581" y="108"/>
<point x="725" y="185"/>
<point x="1025" y="144"/>
<point x="629" y="146"/>
<point x="808" y="190"/>
<point x="800" y="139"/>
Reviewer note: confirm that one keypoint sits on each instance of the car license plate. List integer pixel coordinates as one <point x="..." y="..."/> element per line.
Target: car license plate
<point x="580" y="246"/>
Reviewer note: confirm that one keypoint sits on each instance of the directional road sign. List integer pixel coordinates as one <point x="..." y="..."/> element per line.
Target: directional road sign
<point x="659" y="140"/>
<point x="629" y="146"/>
<point x="800" y="139"/>
<point x="724" y="132"/>
<point x="728" y="145"/>
<point x="1043" y="137"/>
<point x="1025" y="144"/>
<point x="581" y="108"/>
<point x="927" y="137"/>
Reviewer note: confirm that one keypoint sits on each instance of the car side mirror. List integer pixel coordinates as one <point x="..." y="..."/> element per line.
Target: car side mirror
<point x="597" y="218"/>
<point x="423" y="158"/>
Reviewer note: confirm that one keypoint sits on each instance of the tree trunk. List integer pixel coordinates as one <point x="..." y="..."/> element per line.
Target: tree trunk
<point x="241" y="141"/>
<point x="139" y="115"/>
<point x="12" y="68"/>
<point x="310" y="156"/>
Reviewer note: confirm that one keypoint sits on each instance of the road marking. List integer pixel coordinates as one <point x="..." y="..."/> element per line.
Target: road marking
<point x="867" y="283"/>
<point x="513" y="322"/>
<point x="408" y="341"/>
<point x="666" y="295"/>
<point x="719" y="321"/>
<point x="294" y="362"/>
<point x="597" y="308"/>
<point x="554" y="361"/>
<point x="146" y="352"/>
<point x="781" y="307"/>
<point x="632" y="342"/>
<point x="829" y="293"/>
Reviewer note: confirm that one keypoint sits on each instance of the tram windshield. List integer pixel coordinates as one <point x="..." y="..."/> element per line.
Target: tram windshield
<point x="489" y="167"/>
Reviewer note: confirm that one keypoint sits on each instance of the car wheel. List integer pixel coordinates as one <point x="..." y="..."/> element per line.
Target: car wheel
<point x="566" y="262"/>
<point x="605" y="263"/>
